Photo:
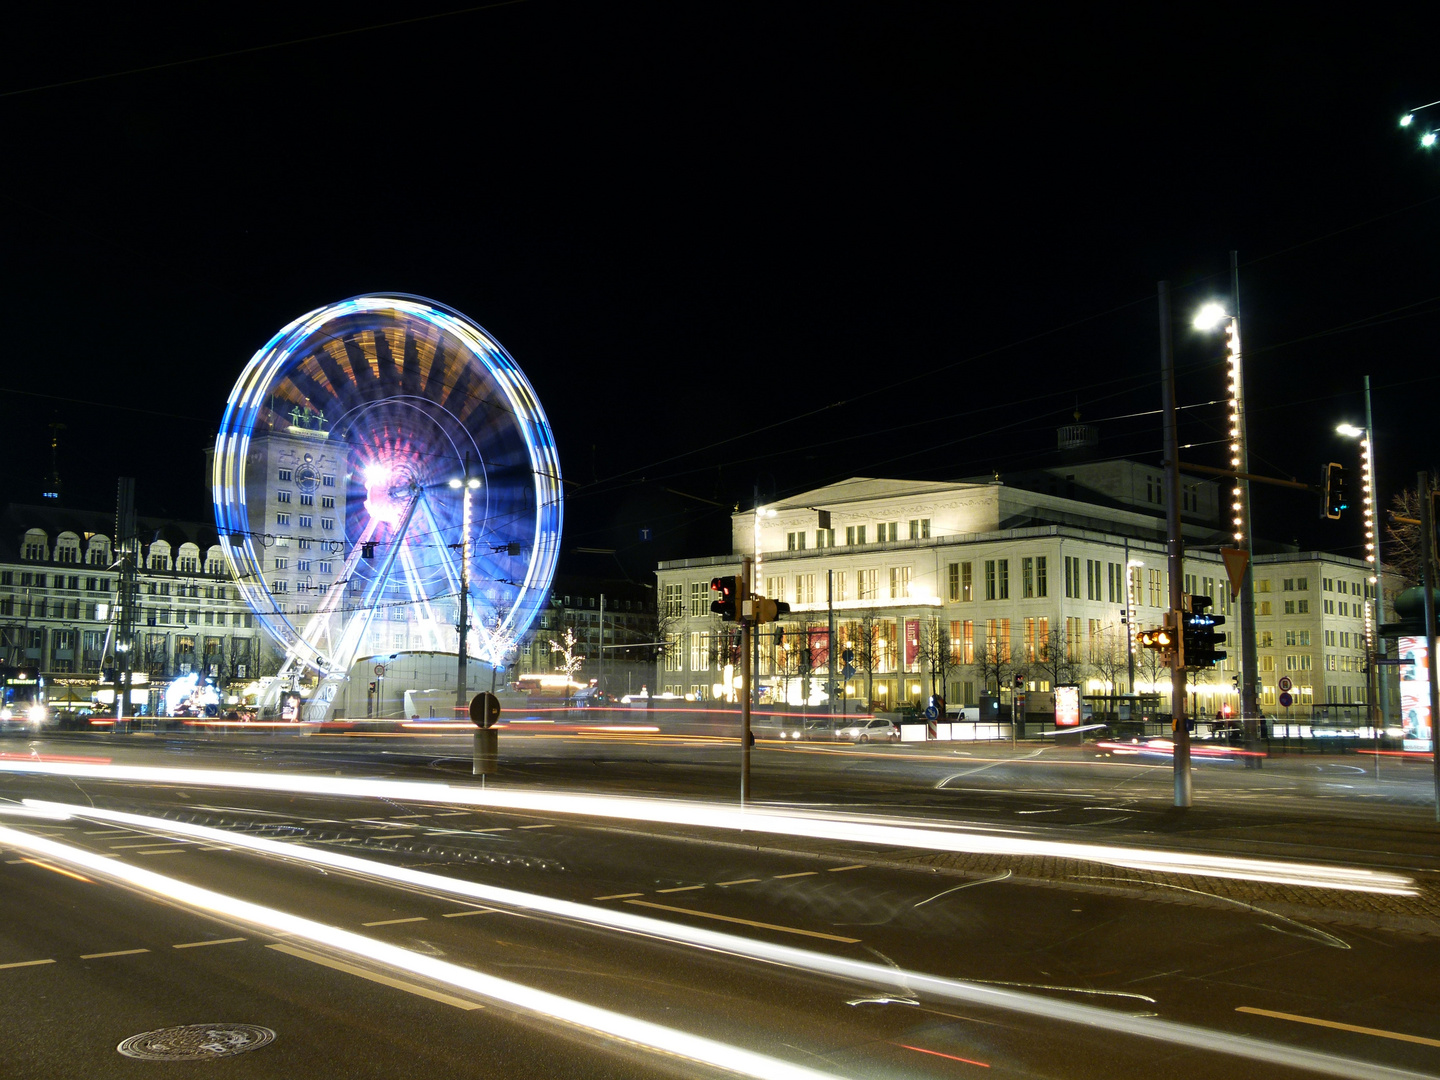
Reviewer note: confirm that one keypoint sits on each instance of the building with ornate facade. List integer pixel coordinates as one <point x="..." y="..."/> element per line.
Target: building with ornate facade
<point x="963" y="588"/>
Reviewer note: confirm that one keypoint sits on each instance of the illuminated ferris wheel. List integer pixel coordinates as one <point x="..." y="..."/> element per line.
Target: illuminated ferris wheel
<point x="385" y="475"/>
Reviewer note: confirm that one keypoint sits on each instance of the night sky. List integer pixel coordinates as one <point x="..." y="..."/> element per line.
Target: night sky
<point x="733" y="246"/>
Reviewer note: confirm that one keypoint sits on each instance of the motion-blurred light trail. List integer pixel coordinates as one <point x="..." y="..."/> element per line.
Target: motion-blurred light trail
<point x="601" y="1021"/>
<point x="863" y="972"/>
<point x="892" y="832"/>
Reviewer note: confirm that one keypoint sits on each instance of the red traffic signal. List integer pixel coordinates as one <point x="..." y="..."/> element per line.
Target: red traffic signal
<point x="729" y="590"/>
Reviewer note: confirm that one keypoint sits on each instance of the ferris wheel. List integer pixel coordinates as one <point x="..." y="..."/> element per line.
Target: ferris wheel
<point x="385" y="475"/>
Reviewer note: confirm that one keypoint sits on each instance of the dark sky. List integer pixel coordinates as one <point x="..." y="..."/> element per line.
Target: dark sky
<point x="732" y="245"/>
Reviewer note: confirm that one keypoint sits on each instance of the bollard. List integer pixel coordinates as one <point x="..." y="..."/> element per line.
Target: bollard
<point x="484" y="712"/>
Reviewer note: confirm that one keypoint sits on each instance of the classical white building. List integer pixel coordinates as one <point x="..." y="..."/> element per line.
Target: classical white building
<point x="59" y="587"/>
<point x="961" y="587"/>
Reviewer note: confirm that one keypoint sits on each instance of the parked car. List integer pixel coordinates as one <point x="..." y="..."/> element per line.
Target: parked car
<point x="864" y="731"/>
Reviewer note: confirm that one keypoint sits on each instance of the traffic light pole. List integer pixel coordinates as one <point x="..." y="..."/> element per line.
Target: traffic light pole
<point x="1175" y="545"/>
<point x="1427" y="579"/>
<point x="745" y="614"/>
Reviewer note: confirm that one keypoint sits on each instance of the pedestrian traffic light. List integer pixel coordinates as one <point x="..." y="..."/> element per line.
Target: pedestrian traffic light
<point x="729" y="590"/>
<point x="1201" y="640"/>
<point x="1161" y="639"/>
<point x="372" y="686"/>
<point x="1335" y="497"/>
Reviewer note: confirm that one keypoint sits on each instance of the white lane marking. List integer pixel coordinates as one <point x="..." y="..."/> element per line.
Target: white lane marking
<point x="747" y="922"/>
<point x="681" y="888"/>
<point x="1378" y="1032"/>
<point x="202" y="944"/>
<point x="117" y="952"/>
<point x="394" y="922"/>
<point x="26" y="963"/>
<point x="376" y="977"/>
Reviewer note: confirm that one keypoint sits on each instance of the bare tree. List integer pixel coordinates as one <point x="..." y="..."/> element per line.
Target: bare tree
<point x="937" y="654"/>
<point x="866" y="639"/>
<point x="1058" y="658"/>
<point x="571" y="662"/>
<point x="994" y="664"/>
<point x="1110" y="661"/>
<point x="1150" y="667"/>
<point x="1402" y="540"/>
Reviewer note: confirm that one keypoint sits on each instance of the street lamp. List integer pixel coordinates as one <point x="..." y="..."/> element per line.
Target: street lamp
<point x="1374" y="611"/>
<point x="1209" y="317"/>
<point x="464" y="484"/>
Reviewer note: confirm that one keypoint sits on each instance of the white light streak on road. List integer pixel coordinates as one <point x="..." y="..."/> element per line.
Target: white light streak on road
<point x="894" y="832"/>
<point x="601" y="1021"/>
<point x="863" y="972"/>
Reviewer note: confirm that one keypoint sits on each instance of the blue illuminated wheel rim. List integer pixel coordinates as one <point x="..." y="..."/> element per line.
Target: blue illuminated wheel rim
<point x="414" y="397"/>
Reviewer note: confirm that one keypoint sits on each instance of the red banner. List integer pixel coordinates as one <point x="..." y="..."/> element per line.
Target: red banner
<point x="819" y="647"/>
<point x="912" y="643"/>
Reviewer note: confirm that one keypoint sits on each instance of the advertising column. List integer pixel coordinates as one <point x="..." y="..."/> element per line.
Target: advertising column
<point x="1415" y="693"/>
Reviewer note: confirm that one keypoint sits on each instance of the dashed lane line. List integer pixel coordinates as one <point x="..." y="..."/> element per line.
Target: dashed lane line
<point x="681" y="888"/>
<point x="26" y="963"/>
<point x="837" y="869"/>
<point x="802" y="873"/>
<point x="618" y="896"/>
<point x="202" y="944"/>
<point x="163" y="851"/>
<point x="745" y="922"/>
<point x="471" y="911"/>
<point x="536" y="826"/>
<point x="739" y="881"/>
<point x="1379" y="1032"/>
<point x="376" y="977"/>
<point x="117" y="952"/>
<point x="394" y="922"/>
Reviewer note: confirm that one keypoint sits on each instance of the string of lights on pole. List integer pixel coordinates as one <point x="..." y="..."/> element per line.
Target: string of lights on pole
<point x="1367" y="485"/>
<point x="1210" y="316"/>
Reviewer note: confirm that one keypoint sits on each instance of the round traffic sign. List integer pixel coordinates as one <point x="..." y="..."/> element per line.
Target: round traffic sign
<point x="1286" y="701"/>
<point x="1285" y="683"/>
<point x="379" y="669"/>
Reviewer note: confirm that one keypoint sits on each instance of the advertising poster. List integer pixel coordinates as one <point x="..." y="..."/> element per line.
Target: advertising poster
<point x="912" y="643"/>
<point x="1415" y="693"/>
<point x="1067" y="706"/>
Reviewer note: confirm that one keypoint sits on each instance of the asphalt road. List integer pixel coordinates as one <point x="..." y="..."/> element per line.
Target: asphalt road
<point x="87" y="960"/>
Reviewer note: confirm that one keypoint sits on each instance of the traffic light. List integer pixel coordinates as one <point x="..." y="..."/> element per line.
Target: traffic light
<point x="367" y="549"/>
<point x="767" y="610"/>
<point x="729" y="590"/>
<point x="1201" y="640"/>
<point x="372" y="687"/>
<point x="1019" y="682"/>
<point x="1335" y="497"/>
<point x="1162" y="639"/>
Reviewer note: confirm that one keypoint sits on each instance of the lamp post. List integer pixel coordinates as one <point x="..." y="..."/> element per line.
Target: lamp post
<point x="465" y="485"/>
<point x="1209" y="317"/>
<point x="1375" y="610"/>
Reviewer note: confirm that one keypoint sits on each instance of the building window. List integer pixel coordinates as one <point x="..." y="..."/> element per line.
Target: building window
<point x="1305" y="637"/>
<point x="989" y="579"/>
<point x="1262" y="584"/>
<point x="699" y="598"/>
<point x="1302" y="584"/>
<point x="281" y="562"/>
<point x="954" y="576"/>
<point x="324" y="568"/>
<point x="327" y="502"/>
<point x="285" y="474"/>
<point x="919" y="528"/>
<point x="700" y="650"/>
<point x="1027" y="578"/>
<point x="674" y="603"/>
<point x="967" y="585"/>
<point x="899" y="582"/>
<point x="1262" y="607"/>
<point x="887" y="531"/>
<point x="841" y="586"/>
<point x="307" y="500"/>
<point x="1042" y="576"/>
<point x="327" y="523"/>
<point x="327" y="481"/>
<point x="824" y="538"/>
<point x="854" y="534"/>
<point x="282" y="496"/>
<point x="868" y="582"/>
<point x="1302" y="607"/>
<point x="1289" y="607"/>
<point x="306" y="522"/>
<point x="795" y="541"/>
<point x="282" y="519"/>
<point x="804" y="588"/>
<point x="1288" y="585"/>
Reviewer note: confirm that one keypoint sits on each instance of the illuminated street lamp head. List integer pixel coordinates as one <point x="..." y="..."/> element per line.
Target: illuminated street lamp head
<point x="1428" y="139"/>
<point x="1349" y="431"/>
<point x="1407" y="119"/>
<point x="1209" y="317"/>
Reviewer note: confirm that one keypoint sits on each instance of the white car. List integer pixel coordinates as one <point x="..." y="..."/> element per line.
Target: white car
<point x="864" y="731"/>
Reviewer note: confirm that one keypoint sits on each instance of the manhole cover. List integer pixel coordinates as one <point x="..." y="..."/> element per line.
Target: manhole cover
<point x="195" y="1042"/>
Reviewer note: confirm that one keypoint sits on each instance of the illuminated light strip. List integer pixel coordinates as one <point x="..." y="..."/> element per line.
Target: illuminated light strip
<point x="862" y="971"/>
<point x="604" y="1022"/>
<point x="820" y="826"/>
<point x="937" y="1053"/>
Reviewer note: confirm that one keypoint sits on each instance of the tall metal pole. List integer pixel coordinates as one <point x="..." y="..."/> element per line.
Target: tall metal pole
<point x="1129" y="626"/>
<point x="830" y="652"/>
<point x="1240" y="460"/>
<point x="1372" y="554"/>
<point x="744" y="613"/>
<point x="1427" y="577"/>
<point x="1176" y="548"/>
<point x="462" y="620"/>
